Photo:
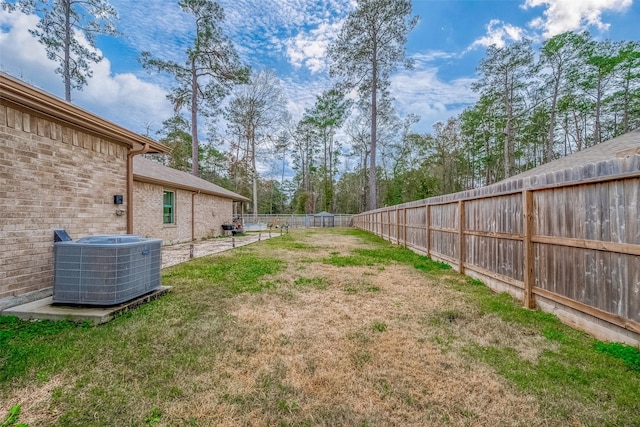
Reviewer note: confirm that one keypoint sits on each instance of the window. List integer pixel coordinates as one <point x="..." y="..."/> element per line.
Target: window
<point x="169" y="207"/>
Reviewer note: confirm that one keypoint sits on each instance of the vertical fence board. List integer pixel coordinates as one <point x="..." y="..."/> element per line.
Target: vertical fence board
<point x="633" y="290"/>
<point x="428" y="228"/>
<point x="461" y="238"/>
<point x="632" y="211"/>
<point x="528" y="255"/>
<point x="404" y="222"/>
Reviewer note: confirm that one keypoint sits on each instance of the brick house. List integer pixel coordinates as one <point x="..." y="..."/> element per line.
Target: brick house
<point x="62" y="167"/>
<point x="178" y="207"/>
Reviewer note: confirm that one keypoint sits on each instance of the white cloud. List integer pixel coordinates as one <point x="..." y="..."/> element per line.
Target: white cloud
<point x="570" y="15"/>
<point x="22" y="55"/>
<point x="121" y="98"/>
<point x="498" y="34"/>
<point x="301" y="29"/>
<point x="156" y="26"/>
<point x="302" y="94"/>
<point x="422" y="92"/>
<point x="125" y="99"/>
<point x="309" y="49"/>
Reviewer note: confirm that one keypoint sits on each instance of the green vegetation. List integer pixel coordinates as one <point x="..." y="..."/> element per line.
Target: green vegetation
<point x="574" y="373"/>
<point x="33" y="344"/>
<point x="385" y="255"/>
<point x="630" y="355"/>
<point x="247" y="334"/>
<point x="236" y="274"/>
<point x="313" y="282"/>
<point x="288" y="242"/>
<point x="12" y="418"/>
<point x="349" y="261"/>
<point x="379" y="326"/>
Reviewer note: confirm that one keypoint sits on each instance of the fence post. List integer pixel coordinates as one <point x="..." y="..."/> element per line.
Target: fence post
<point x="397" y="226"/>
<point x="389" y="224"/>
<point x="428" y="229"/>
<point x="461" y="248"/>
<point x="529" y="260"/>
<point x="404" y="222"/>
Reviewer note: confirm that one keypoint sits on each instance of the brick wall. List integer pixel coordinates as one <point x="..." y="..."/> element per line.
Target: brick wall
<point x="52" y="176"/>
<point x="210" y="213"/>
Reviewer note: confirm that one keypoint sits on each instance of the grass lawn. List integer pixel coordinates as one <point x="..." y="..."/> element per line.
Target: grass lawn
<point x="317" y="328"/>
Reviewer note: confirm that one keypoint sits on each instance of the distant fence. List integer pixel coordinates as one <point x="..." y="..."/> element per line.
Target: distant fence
<point x="295" y="220"/>
<point x="571" y="247"/>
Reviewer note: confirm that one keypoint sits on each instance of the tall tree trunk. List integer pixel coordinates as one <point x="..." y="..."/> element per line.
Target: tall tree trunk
<point x="597" y="134"/>
<point x="374" y="128"/>
<point x="487" y="154"/>
<point x="325" y="171"/>
<point x="67" y="50"/>
<point x="331" y="198"/>
<point x="282" y="181"/>
<point x="194" y="119"/>
<point x="254" y="176"/>
<point x="363" y="178"/>
<point x="508" y="131"/>
<point x="548" y="152"/>
<point x="626" y="102"/>
<point x="579" y="142"/>
<point x="236" y="170"/>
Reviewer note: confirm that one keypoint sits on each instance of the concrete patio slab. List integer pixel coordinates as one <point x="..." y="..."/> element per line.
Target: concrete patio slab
<point x="44" y="309"/>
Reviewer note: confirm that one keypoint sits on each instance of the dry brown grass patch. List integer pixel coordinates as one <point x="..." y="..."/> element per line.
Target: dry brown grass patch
<point x="36" y="402"/>
<point x="333" y="358"/>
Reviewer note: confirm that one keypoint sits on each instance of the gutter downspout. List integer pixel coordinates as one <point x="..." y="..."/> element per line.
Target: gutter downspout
<point x="193" y="214"/>
<point x="132" y="152"/>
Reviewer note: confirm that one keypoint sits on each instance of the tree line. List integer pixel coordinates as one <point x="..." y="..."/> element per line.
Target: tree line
<point x="534" y="105"/>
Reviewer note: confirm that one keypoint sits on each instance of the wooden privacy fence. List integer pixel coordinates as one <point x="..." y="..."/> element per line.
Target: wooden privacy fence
<point x="296" y="220"/>
<point x="570" y="247"/>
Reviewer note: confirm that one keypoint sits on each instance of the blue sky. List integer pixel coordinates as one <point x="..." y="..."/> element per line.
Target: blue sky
<point x="291" y="36"/>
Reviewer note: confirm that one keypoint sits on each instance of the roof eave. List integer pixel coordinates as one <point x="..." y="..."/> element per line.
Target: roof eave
<point x="29" y="97"/>
<point x="171" y="184"/>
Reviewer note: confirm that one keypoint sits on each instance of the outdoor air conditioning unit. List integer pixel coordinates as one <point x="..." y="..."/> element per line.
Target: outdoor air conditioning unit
<point x="105" y="270"/>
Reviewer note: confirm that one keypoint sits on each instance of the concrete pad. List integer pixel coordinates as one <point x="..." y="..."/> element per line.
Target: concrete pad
<point x="44" y="309"/>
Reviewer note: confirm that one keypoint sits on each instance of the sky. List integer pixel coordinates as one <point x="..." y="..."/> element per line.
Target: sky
<point x="291" y="37"/>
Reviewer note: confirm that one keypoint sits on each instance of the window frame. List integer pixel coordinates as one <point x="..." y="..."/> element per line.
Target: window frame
<point x="169" y="218"/>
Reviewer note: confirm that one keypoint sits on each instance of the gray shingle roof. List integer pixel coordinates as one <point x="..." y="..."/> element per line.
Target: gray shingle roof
<point x="146" y="170"/>
<point x="619" y="147"/>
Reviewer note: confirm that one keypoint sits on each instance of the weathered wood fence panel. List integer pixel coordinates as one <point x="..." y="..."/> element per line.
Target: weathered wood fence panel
<point x="493" y="229"/>
<point x="445" y="230"/>
<point x="587" y="245"/>
<point x="416" y="228"/>
<point x="571" y="246"/>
